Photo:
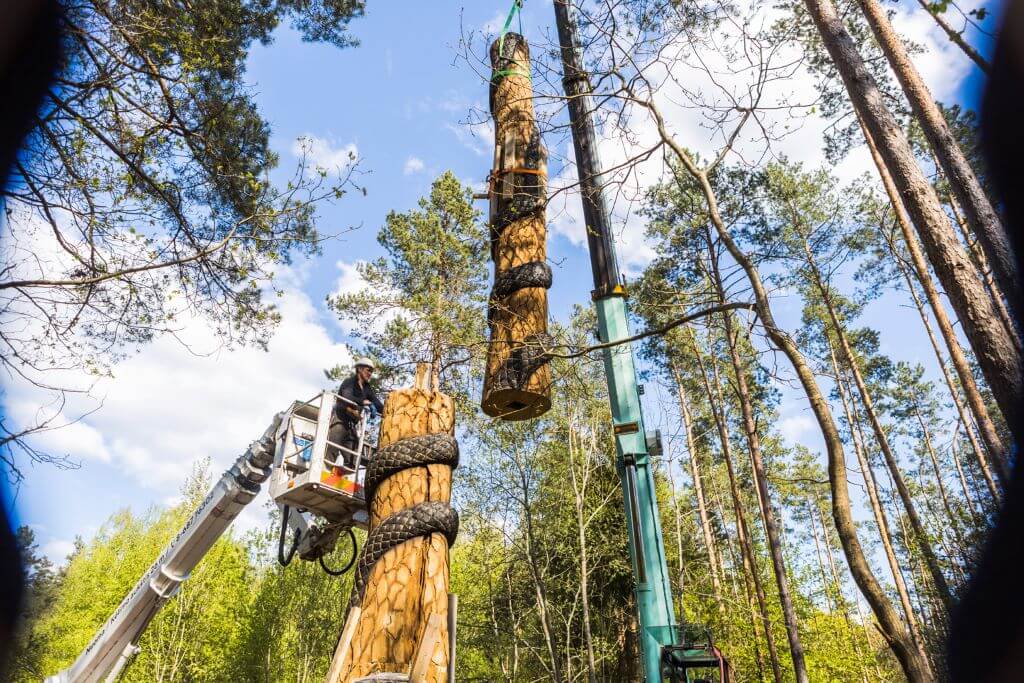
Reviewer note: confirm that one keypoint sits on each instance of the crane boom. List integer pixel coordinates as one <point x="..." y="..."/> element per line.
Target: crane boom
<point x="116" y="642"/>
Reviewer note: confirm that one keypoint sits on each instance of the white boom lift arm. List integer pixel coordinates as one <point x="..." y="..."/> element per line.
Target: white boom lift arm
<point x="309" y="476"/>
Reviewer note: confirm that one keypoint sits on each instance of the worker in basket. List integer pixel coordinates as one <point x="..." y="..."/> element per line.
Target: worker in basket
<point x="359" y="396"/>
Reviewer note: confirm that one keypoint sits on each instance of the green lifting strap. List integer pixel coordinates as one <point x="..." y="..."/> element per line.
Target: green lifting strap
<point x="514" y="11"/>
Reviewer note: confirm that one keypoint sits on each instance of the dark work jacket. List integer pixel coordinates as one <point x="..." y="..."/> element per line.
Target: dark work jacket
<point x="351" y="390"/>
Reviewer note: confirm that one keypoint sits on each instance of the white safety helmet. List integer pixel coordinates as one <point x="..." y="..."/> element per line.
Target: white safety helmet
<point x="365" y="362"/>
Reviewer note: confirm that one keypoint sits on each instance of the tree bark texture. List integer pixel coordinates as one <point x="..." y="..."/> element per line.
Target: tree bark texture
<point x="995" y="349"/>
<point x="771" y="525"/>
<point x="881" y="437"/>
<point x="981" y="263"/>
<point x="954" y="392"/>
<point x="409" y="582"/>
<point x="913" y="665"/>
<point x="981" y="216"/>
<point x="957" y="357"/>
<point x="881" y="519"/>
<point x="517" y="380"/>
<point x="742" y="530"/>
<point x="698" y="489"/>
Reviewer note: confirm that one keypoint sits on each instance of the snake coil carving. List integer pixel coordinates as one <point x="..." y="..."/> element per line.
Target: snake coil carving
<point x="417" y="521"/>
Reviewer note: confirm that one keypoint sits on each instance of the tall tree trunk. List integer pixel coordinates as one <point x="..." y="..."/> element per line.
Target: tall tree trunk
<point x="742" y="530"/>
<point x="881" y="519"/>
<point x="981" y="263"/>
<point x="826" y="585"/>
<point x="880" y="436"/>
<point x="995" y="350"/>
<point x="716" y="498"/>
<point x="889" y="622"/>
<point x="740" y="566"/>
<point x="954" y="453"/>
<point x="540" y="591"/>
<point x="918" y="576"/>
<point x="517" y="310"/>
<point x="954" y="391"/>
<point x="936" y="518"/>
<point x="986" y="427"/>
<point x="980" y="215"/>
<point x="956" y="37"/>
<point x="771" y="526"/>
<point x="833" y="586"/>
<point x="896" y="635"/>
<point x="698" y="487"/>
<point x="677" y="515"/>
<point x="579" y="487"/>
<point x="954" y="519"/>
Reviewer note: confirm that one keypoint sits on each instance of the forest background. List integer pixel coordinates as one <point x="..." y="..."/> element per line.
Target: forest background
<point x="541" y="564"/>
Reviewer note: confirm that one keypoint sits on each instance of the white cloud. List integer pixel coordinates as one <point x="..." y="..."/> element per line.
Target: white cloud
<point x="325" y="154"/>
<point x="476" y="137"/>
<point x="623" y="195"/>
<point x="943" y="66"/>
<point x="493" y="26"/>
<point x="351" y="281"/>
<point x="170" y="406"/>
<point x="797" y="131"/>
<point x="57" y="550"/>
<point x="413" y="165"/>
<point x="793" y="428"/>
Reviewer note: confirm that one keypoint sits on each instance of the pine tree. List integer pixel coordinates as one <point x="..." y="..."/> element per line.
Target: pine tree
<point x="423" y="302"/>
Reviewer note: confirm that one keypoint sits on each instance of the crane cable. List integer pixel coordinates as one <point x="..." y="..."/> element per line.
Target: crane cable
<point x="351" y="560"/>
<point x="283" y="558"/>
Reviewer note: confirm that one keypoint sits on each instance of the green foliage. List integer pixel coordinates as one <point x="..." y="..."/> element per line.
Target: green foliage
<point x="147" y="185"/>
<point x="43" y="582"/>
<point x="239" y="616"/>
<point x="424" y="301"/>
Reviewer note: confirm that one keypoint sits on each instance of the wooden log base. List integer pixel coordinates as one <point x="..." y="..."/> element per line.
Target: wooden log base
<point x="409" y="582"/>
<point x="513" y="405"/>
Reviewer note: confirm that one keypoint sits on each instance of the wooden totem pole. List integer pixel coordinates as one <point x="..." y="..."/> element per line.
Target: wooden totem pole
<point x="397" y="619"/>
<point x="517" y="380"/>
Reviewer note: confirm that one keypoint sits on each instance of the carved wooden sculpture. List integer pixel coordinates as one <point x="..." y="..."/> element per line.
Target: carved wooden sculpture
<point x="517" y="380"/>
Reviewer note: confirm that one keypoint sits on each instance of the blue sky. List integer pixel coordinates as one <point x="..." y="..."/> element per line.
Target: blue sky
<point x="401" y="100"/>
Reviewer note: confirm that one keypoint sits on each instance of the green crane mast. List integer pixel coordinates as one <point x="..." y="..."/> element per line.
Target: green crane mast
<point x="646" y="549"/>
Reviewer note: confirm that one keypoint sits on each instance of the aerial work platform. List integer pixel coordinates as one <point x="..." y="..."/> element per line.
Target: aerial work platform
<point x="312" y="473"/>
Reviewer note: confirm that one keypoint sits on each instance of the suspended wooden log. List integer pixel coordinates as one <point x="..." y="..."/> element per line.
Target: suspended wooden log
<point x="517" y="379"/>
<point x="401" y="581"/>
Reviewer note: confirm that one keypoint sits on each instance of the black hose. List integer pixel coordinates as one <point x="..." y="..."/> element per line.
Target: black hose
<point x="284" y="559"/>
<point x="351" y="560"/>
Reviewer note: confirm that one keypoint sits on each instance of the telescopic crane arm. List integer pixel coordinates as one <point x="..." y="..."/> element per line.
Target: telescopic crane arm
<point x="317" y="485"/>
<point x="668" y="651"/>
<point x="117" y="641"/>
